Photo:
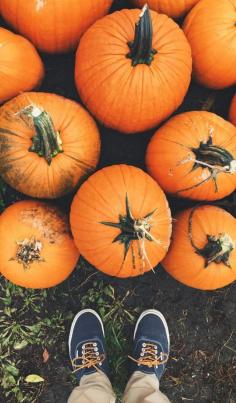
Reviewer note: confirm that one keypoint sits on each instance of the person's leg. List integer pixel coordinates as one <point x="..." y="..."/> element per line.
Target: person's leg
<point x="89" y="361"/>
<point x="150" y="354"/>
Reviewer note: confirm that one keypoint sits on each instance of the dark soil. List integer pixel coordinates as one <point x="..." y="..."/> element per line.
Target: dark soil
<point x="202" y="364"/>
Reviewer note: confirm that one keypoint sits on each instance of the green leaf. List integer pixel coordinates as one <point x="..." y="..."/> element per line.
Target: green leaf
<point x="11" y="370"/>
<point x="20" y="345"/>
<point x="32" y="378"/>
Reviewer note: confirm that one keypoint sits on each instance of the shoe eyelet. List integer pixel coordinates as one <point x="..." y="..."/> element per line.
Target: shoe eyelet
<point x="94" y="344"/>
<point x="97" y="353"/>
<point x="142" y="354"/>
<point x="96" y="349"/>
<point x="144" y="344"/>
<point x="100" y="363"/>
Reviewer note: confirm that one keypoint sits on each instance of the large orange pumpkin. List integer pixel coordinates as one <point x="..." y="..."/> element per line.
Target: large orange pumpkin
<point x="121" y="221"/>
<point x="21" y="68"/>
<point x="53" y="26"/>
<point x="203" y="250"/>
<point x="48" y="144"/>
<point x="211" y="31"/>
<point x="133" y="70"/>
<point x="194" y="155"/>
<point x="232" y="111"/>
<point x="172" y="8"/>
<point x="37" y="250"/>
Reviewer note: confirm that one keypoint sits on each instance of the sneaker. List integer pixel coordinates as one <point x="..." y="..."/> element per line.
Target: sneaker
<point x="87" y="344"/>
<point x="151" y="344"/>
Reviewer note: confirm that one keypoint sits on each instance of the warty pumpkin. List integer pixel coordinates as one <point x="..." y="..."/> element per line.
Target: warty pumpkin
<point x="203" y="250"/>
<point x="133" y="70"/>
<point x="232" y="111"/>
<point x="37" y="249"/>
<point x="54" y="26"/>
<point x="172" y="8"/>
<point x="193" y="155"/>
<point x="121" y="221"/>
<point x="211" y="31"/>
<point x="48" y="144"/>
<point x="21" y="68"/>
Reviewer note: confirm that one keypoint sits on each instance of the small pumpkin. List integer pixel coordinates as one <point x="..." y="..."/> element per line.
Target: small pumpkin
<point x="203" y="251"/>
<point x="232" y="111"/>
<point x="133" y="70"/>
<point x="37" y="249"/>
<point x="211" y="31"/>
<point x="54" y="26"/>
<point x="48" y="144"/>
<point x="193" y="155"/>
<point x="172" y="8"/>
<point x="21" y="68"/>
<point x="121" y="221"/>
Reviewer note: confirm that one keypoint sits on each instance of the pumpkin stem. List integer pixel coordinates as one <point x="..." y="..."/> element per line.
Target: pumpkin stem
<point x="46" y="142"/>
<point x="217" y="248"/>
<point x="28" y="251"/>
<point x="141" y="51"/>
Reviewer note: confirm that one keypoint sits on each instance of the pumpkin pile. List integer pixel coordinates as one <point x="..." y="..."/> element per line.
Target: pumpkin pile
<point x="132" y="71"/>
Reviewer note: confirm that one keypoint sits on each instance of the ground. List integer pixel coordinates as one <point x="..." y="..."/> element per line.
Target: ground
<point x="34" y="324"/>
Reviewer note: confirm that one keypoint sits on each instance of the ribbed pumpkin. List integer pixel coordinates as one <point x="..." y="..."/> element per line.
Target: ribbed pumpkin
<point x="172" y="8"/>
<point x="211" y="31"/>
<point x="121" y="221"/>
<point x="53" y="26"/>
<point x="194" y="155"/>
<point x="203" y="250"/>
<point x="37" y="250"/>
<point x="133" y="70"/>
<point x="21" y="68"/>
<point x="48" y="144"/>
<point x="232" y="111"/>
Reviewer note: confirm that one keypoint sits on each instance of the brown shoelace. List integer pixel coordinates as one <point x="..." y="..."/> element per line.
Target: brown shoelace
<point x="148" y="356"/>
<point x="90" y="357"/>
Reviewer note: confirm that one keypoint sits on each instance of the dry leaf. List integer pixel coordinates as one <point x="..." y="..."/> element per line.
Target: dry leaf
<point x="32" y="378"/>
<point x="45" y="355"/>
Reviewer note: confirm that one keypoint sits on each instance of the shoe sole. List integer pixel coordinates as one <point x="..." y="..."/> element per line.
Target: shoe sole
<point x="157" y="313"/>
<point x="80" y="313"/>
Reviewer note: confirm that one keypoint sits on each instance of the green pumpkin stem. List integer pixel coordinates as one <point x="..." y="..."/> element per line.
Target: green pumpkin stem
<point x="141" y="51"/>
<point x="46" y="141"/>
<point x="217" y="248"/>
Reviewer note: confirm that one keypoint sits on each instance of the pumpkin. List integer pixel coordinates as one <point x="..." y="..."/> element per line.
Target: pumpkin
<point x="232" y="111"/>
<point x="173" y="8"/>
<point x="194" y="156"/>
<point x="203" y="251"/>
<point x="37" y="250"/>
<point x="48" y="144"/>
<point x="53" y="26"/>
<point x="121" y="221"/>
<point x="21" y="68"/>
<point x="210" y="29"/>
<point x="133" y="70"/>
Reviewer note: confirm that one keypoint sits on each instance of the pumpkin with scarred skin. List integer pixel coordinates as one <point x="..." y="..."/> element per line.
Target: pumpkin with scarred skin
<point x="37" y="249"/>
<point x="172" y="8"/>
<point x="48" y="144"/>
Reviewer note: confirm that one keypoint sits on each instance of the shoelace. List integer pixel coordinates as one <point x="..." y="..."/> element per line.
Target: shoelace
<point x="90" y="357"/>
<point x="149" y="357"/>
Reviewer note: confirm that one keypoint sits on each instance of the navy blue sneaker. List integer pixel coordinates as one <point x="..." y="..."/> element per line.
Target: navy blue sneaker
<point x="151" y="344"/>
<point x="87" y="344"/>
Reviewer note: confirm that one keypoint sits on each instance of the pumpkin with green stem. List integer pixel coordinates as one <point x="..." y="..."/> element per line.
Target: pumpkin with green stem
<point x="172" y="8"/>
<point x="203" y="248"/>
<point x="133" y="69"/>
<point x="121" y="221"/>
<point x="48" y="144"/>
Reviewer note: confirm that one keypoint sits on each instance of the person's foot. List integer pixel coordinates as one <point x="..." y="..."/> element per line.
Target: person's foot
<point x="151" y="344"/>
<point x="87" y="344"/>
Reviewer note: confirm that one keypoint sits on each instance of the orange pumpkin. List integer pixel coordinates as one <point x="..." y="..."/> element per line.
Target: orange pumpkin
<point x="121" y="221"/>
<point x="53" y="26"/>
<point x="232" y="111"/>
<point x="203" y="251"/>
<point x="210" y="29"/>
<point x="172" y="8"/>
<point x="132" y="75"/>
<point x="48" y="144"/>
<point x="21" y="68"/>
<point x="37" y="250"/>
<point x="194" y="155"/>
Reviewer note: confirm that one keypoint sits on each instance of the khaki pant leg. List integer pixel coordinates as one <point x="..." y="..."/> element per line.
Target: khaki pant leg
<point x="94" y="388"/>
<point x="143" y="388"/>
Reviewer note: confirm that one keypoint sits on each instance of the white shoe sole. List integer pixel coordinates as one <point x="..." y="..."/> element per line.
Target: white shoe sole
<point x="157" y="313"/>
<point x="75" y="320"/>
